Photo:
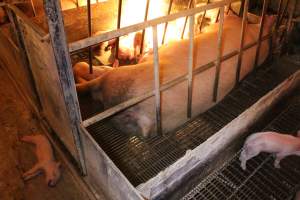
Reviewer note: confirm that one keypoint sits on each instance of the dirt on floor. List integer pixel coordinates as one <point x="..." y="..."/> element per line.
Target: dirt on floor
<point x="16" y="157"/>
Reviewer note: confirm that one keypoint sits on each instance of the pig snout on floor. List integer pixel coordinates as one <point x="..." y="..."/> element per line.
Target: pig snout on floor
<point x="45" y="160"/>
<point x="281" y="145"/>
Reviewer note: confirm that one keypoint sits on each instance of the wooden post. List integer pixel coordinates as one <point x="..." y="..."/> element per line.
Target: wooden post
<point x="242" y="8"/>
<point x="90" y="34"/>
<point x="190" y="66"/>
<point x="277" y="24"/>
<point x="219" y="55"/>
<point x="61" y="53"/>
<point x="156" y="81"/>
<point x="144" y="30"/>
<point x="261" y="29"/>
<point x="244" y="24"/>
<point x="166" y="24"/>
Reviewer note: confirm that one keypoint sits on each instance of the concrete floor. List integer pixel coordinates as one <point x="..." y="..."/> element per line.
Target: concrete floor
<point x="17" y="157"/>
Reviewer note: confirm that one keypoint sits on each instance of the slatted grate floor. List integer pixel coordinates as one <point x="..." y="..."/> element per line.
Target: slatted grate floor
<point x="140" y="160"/>
<point x="261" y="180"/>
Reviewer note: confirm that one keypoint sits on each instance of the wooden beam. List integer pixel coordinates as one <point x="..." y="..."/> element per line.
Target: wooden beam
<point x="62" y="58"/>
<point x="84" y="43"/>
<point x="219" y="55"/>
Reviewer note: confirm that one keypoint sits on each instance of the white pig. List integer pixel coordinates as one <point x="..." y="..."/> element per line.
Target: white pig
<point x="46" y="161"/>
<point x="281" y="145"/>
<point x="124" y="83"/>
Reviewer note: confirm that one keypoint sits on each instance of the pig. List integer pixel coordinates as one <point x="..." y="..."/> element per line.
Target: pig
<point x="281" y="145"/>
<point x="123" y="83"/>
<point x="82" y="73"/>
<point x="46" y="161"/>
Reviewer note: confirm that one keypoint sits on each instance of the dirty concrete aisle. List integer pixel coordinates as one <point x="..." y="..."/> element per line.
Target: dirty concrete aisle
<point x="17" y="157"/>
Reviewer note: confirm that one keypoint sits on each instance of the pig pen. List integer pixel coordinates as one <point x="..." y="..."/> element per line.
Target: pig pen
<point x="130" y="167"/>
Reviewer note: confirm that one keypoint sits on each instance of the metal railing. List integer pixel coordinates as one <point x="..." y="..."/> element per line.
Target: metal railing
<point x="189" y="13"/>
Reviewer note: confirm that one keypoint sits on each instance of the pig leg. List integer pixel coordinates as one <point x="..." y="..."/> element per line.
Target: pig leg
<point x="279" y="157"/>
<point x="248" y="153"/>
<point x="34" y="171"/>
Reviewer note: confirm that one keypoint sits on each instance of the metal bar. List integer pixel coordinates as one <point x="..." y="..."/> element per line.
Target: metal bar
<point x="229" y="8"/>
<point x="241" y="8"/>
<point x="219" y="55"/>
<point x="144" y="30"/>
<point x="118" y="27"/>
<point x="289" y="23"/>
<point x="218" y="15"/>
<point x="190" y="66"/>
<point x="33" y="8"/>
<point x="122" y="106"/>
<point x="203" y="16"/>
<point x="265" y="6"/>
<point x="284" y="11"/>
<point x="77" y="4"/>
<point x="90" y="34"/>
<point x="156" y="81"/>
<point x="276" y="27"/>
<point x="166" y="24"/>
<point x="244" y="24"/>
<point x="84" y="43"/>
<point x="186" y="18"/>
<point x="64" y="68"/>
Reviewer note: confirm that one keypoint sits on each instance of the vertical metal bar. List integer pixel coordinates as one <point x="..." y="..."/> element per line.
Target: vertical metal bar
<point x="265" y="6"/>
<point x="229" y="8"/>
<point x="277" y="24"/>
<point x="219" y="55"/>
<point x="218" y="15"/>
<point x="203" y="16"/>
<point x="284" y="11"/>
<point x="156" y="81"/>
<point x="190" y="65"/>
<point x="33" y="8"/>
<point x="118" y="26"/>
<point x="186" y="18"/>
<point x="166" y="24"/>
<point x="77" y="4"/>
<point x="244" y="24"/>
<point x="289" y="23"/>
<point x="242" y="8"/>
<point x="64" y="67"/>
<point x="90" y="34"/>
<point x="144" y="31"/>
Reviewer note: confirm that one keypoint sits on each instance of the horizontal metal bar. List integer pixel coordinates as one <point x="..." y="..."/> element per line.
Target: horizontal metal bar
<point x="122" y="106"/>
<point x="143" y="25"/>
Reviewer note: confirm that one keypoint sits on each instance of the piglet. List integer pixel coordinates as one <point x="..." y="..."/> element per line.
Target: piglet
<point x="281" y="145"/>
<point x="46" y="161"/>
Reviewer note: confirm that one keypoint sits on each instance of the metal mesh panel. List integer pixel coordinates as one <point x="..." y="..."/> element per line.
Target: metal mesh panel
<point x="141" y="159"/>
<point x="261" y="180"/>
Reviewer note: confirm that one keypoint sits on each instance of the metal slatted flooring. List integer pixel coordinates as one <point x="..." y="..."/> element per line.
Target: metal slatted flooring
<point x="261" y="180"/>
<point x="141" y="160"/>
